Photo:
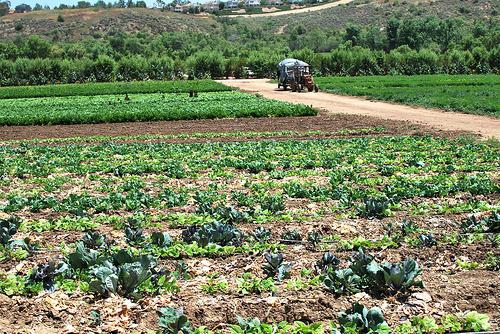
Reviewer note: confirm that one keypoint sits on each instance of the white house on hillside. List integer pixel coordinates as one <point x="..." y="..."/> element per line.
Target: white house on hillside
<point x="231" y="4"/>
<point x="252" y="3"/>
<point x="211" y="6"/>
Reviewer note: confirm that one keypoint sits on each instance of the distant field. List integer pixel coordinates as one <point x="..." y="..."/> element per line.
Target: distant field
<point x="108" y="88"/>
<point x="475" y="94"/>
<point x="142" y="107"/>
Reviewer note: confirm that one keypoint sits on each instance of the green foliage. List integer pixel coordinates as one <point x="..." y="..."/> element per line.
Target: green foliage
<point x="113" y="88"/>
<point x="215" y="285"/>
<point x="489" y="223"/>
<point x="276" y="267"/>
<point x="476" y="322"/>
<point x="173" y="321"/>
<point x="342" y="281"/>
<point x="147" y="107"/>
<point x="261" y="234"/>
<point x="248" y="284"/>
<point x="8" y="227"/>
<point x="492" y="261"/>
<point x="213" y="233"/>
<point x="95" y="240"/>
<point x="364" y="273"/>
<point x="122" y="274"/>
<point x="47" y="273"/>
<point x="288" y="237"/>
<point x="466" y="93"/>
<point x="328" y="262"/>
<point x="359" y="319"/>
<point x="374" y="208"/>
<point x="161" y="239"/>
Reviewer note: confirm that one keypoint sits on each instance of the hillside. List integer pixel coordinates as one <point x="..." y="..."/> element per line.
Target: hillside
<point x="377" y="12"/>
<point x="92" y="22"/>
<point x="80" y="23"/>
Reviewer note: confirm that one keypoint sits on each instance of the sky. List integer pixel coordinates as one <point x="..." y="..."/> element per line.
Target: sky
<point x="53" y="3"/>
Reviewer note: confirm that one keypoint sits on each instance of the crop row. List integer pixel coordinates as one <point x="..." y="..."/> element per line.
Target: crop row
<point x="250" y="181"/>
<point x="352" y="156"/>
<point x="253" y="221"/>
<point x="110" y="88"/>
<point x="99" y="266"/>
<point x="413" y="80"/>
<point x="469" y="94"/>
<point x="142" y="107"/>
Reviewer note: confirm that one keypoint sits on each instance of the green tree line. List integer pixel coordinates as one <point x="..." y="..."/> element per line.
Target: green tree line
<point x="409" y="46"/>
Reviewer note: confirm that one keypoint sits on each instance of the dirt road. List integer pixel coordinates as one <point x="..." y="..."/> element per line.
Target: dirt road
<point x="295" y="11"/>
<point x="485" y="126"/>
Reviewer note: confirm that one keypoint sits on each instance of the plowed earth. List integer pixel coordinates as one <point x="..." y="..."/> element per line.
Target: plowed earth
<point x="323" y="122"/>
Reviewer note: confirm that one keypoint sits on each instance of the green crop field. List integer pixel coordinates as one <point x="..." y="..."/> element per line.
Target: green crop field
<point x="475" y="94"/>
<point x="142" y="107"/>
<point x="170" y="228"/>
<point x="108" y="88"/>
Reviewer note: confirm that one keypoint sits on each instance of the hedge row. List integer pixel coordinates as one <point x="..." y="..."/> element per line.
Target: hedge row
<point x="352" y="61"/>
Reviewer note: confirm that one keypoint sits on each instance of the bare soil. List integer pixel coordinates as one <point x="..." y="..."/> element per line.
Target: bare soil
<point x="438" y="119"/>
<point x="323" y="122"/>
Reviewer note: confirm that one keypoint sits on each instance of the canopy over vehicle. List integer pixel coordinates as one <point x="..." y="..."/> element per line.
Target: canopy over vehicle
<point x="296" y="74"/>
<point x="291" y="62"/>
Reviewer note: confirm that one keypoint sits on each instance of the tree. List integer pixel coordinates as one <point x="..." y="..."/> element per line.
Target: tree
<point x="37" y="7"/>
<point x="141" y="4"/>
<point x="36" y="47"/>
<point x="4" y="8"/>
<point x="100" y="4"/>
<point x="83" y="4"/>
<point x="352" y="33"/>
<point x="392" y="33"/>
<point x="22" y="8"/>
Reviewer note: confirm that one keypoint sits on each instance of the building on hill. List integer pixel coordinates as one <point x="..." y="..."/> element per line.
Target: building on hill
<point x="211" y="6"/>
<point x="181" y="6"/>
<point x="252" y="3"/>
<point x="231" y="4"/>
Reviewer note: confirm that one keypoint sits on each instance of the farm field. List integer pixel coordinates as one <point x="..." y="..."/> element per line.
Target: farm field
<point x="475" y="94"/>
<point x="164" y="105"/>
<point x="109" y="88"/>
<point x="109" y="236"/>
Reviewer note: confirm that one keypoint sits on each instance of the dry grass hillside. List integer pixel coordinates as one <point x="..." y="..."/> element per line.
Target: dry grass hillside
<point x="92" y="22"/>
<point x="87" y="22"/>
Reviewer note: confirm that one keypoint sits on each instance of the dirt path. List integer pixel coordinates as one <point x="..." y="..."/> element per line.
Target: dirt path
<point x="296" y="11"/>
<point x="485" y="126"/>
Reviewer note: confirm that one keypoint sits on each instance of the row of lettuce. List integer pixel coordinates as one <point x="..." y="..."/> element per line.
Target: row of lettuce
<point x="97" y="265"/>
<point x="143" y="107"/>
